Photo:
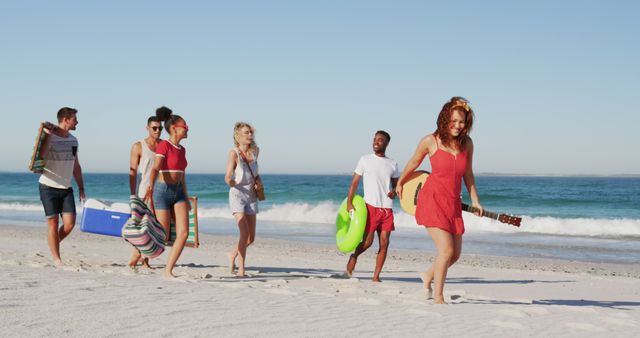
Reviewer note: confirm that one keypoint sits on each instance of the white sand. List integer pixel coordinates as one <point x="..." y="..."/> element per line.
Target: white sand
<point x="293" y="292"/>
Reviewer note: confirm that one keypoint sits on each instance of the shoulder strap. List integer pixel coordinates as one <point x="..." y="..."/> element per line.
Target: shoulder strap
<point x="247" y="162"/>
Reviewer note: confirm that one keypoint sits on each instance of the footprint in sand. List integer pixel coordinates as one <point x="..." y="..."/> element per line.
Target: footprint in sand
<point x="238" y="285"/>
<point x="513" y="312"/>
<point x="350" y="290"/>
<point x="536" y="310"/>
<point x="508" y="325"/>
<point x="413" y="298"/>
<point x="365" y="301"/>
<point x="320" y="294"/>
<point x="342" y="275"/>
<point x="575" y="309"/>
<point x="455" y="297"/>
<point x="70" y="268"/>
<point x="620" y="321"/>
<point x="390" y="292"/>
<point x="282" y="292"/>
<point x="425" y="313"/>
<point x="37" y="265"/>
<point x="278" y="283"/>
<point x="177" y="279"/>
<point x="586" y="327"/>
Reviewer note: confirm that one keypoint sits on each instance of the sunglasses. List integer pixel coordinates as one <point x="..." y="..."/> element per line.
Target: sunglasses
<point x="186" y="127"/>
<point x="156" y="128"/>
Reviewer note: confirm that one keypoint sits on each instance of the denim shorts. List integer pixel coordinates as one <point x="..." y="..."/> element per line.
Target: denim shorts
<point x="166" y="195"/>
<point x="57" y="201"/>
<point x="243" y="199"/>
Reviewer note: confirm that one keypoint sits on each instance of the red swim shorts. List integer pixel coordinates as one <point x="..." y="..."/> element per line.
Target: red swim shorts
<point x="379" y="219"/>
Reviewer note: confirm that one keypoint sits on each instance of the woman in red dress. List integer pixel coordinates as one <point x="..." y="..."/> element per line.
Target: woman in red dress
<point x="438" y="208"/>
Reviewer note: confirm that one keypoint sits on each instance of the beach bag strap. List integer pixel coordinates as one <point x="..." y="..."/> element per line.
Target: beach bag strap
<point x="247" y="162"/>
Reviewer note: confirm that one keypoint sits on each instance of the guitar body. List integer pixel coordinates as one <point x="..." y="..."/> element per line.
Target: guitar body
<point x="417" y="180"/>
<point x="410" y="190"/>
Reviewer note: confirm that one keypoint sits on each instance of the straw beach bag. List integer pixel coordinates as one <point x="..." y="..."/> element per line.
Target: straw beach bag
<point x="143" y="230"/>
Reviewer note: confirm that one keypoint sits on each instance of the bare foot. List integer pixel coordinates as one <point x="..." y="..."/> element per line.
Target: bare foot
<point x="351" y="265"/>
<point x="232" y="263"/>
<point x="168" y="275"/>
<point x="439" y="300"/>
<point x="58" y="262"/>
<point x="241" y="273"/>
<point x="429" y="293"/>
<point x="376" y="280"/>
<point x="145" y="263"/>
<point x="423" y="276"/>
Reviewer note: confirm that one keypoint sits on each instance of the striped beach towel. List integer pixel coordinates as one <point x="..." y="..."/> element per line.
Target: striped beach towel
<point x="143" y="230"/>
<point x="193" y="240"/>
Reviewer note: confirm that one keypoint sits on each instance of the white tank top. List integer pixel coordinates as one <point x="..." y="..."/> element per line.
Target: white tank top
<point x="147" y="158"/>
<point x="242" y="176"/>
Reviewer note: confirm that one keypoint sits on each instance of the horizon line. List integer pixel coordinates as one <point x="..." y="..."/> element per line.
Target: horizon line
<point x="350" y="173"/>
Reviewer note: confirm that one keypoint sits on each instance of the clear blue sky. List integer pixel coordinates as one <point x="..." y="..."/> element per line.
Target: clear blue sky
<point x="555" y="84"/>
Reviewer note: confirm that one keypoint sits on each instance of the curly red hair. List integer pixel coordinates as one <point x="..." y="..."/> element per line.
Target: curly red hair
<point x="460" y="105"/>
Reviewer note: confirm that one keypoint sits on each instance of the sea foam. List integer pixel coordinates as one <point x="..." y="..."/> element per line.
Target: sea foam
<point x="325" y="213"/>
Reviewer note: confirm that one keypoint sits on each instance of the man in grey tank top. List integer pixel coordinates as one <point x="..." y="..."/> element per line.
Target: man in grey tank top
<point x="143" y="154"/>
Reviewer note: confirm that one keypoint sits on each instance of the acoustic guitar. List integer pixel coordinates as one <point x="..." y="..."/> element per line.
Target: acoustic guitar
<point x="416" y="181"/>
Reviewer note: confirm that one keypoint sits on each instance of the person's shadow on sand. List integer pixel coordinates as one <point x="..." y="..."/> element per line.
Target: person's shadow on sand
<point x="620" y="305"/>
<point x="476" y="280"/>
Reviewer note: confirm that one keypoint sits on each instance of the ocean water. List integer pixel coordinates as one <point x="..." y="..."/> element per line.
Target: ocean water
<point x="595" y="219"/>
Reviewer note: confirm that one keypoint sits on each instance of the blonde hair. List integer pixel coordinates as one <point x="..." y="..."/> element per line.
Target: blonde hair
<point x="236" y="135"/>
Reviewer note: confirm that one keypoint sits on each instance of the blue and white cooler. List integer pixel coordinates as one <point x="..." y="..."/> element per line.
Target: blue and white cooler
<point x="104" y="218"/>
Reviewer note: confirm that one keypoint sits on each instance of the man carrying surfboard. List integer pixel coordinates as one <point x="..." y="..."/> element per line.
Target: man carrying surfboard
<point x="56" y="193"/>
<point x="380" y="175"/>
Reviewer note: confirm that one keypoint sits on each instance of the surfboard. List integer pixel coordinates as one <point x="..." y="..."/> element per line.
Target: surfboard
<point x="192" y="240"/>
<point x="37" y="162"/>
<point x="410" y="190"/>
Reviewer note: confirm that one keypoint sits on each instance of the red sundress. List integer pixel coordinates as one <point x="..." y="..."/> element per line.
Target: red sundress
<point x="439" y="203"/>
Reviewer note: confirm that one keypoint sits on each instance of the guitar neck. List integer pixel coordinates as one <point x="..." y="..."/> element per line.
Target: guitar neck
<point x="486" y="213"/>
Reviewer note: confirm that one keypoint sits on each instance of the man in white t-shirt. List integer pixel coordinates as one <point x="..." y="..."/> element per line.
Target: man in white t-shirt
<point x="380" y="175"/>
<point x="56" y="192"/>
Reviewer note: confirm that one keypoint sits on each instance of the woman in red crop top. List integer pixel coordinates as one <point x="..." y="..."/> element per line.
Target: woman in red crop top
<point x="168" y="187"/>
<point x="438" y="208"/>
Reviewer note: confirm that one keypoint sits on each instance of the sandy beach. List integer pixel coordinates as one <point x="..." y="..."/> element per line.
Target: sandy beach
<point x="296" y="289"/>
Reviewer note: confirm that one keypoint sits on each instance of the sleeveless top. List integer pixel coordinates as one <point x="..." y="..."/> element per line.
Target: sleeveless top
<point x="241" y="175"/>
<point x="147" y="158"/>
<point x="439" y="202"/>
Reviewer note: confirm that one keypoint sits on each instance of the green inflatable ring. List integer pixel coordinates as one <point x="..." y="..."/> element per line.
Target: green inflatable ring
<point x="349" y="231"/>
